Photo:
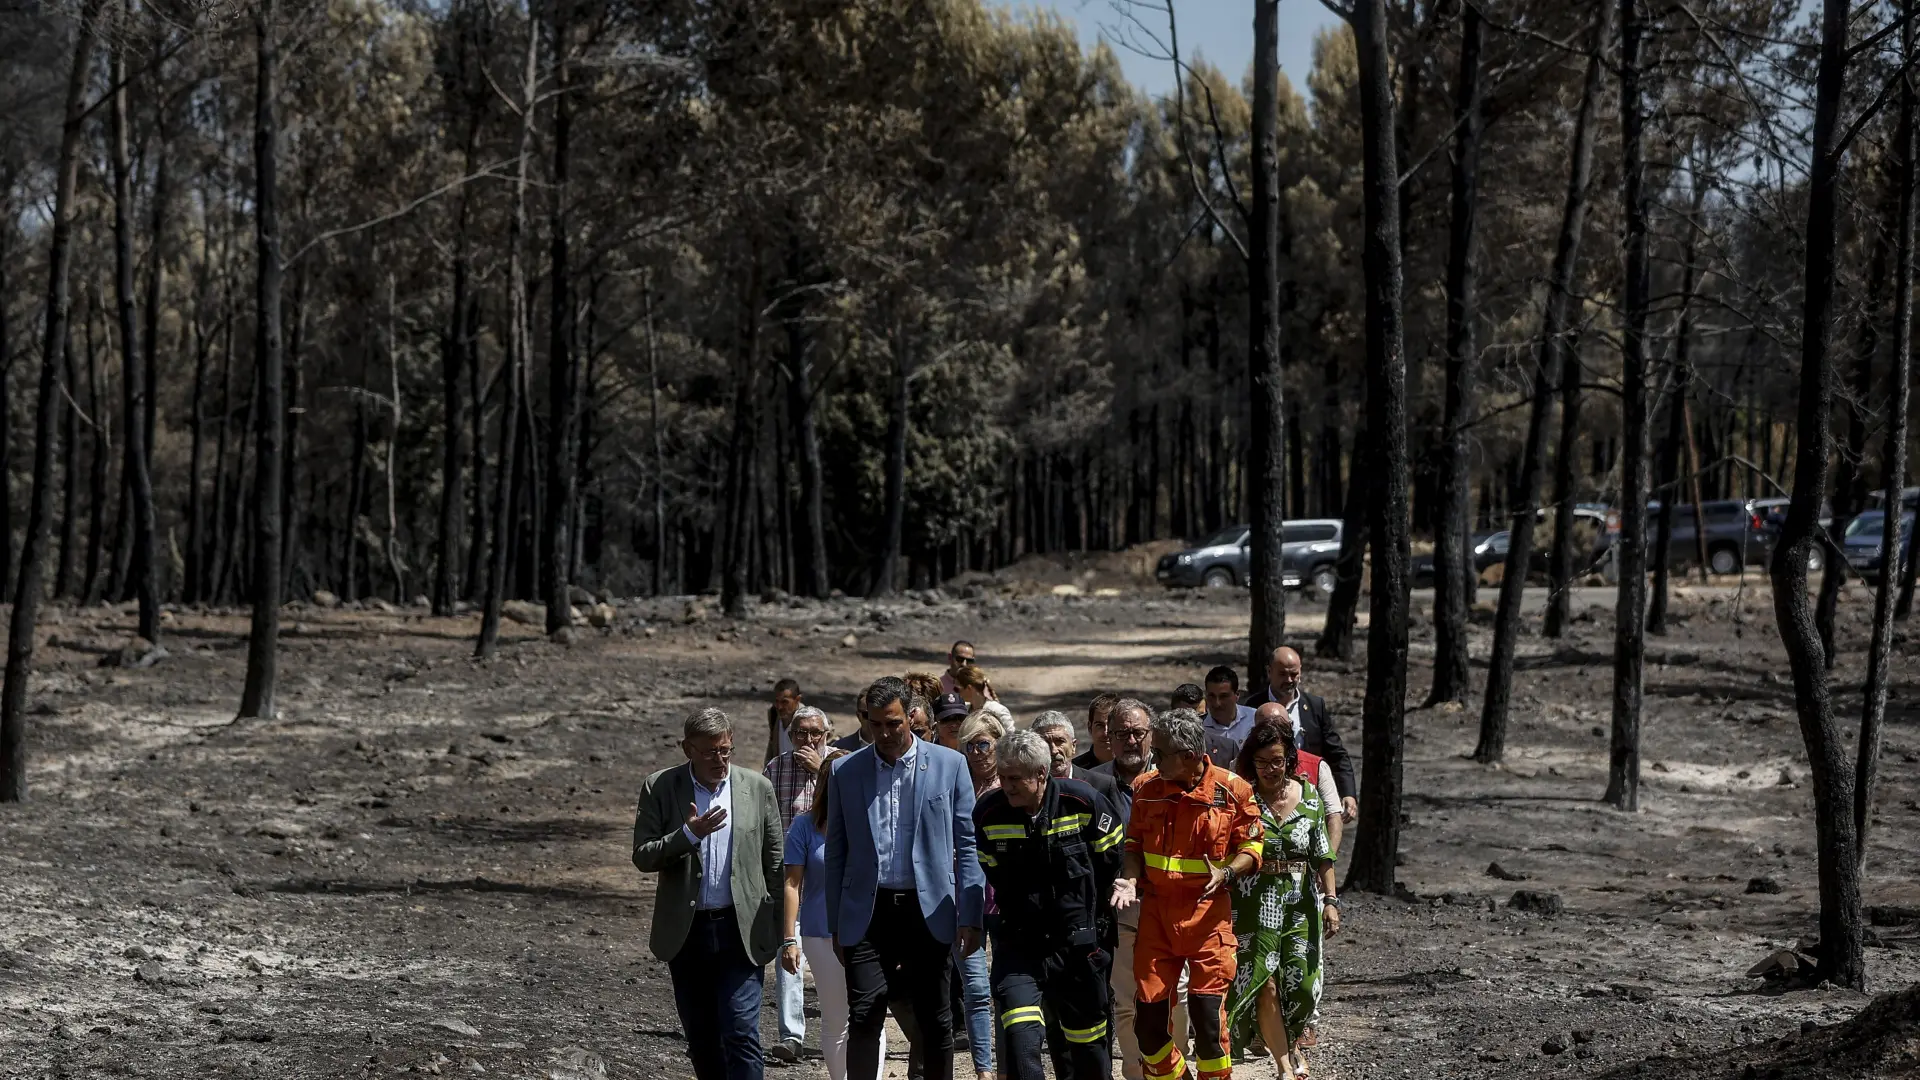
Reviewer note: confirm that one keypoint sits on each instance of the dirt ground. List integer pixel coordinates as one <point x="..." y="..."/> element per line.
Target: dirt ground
<point x="423" y="864"/>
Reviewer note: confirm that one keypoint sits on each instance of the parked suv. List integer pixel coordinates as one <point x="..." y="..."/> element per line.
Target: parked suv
<point x="1307" y="552"/>
<point x="1736" y="533"/>
<point x="1864" y="542"/>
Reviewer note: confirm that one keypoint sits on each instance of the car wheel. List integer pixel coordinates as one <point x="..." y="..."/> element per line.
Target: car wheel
<point x="1816" y="560"/>
<point x="1723" y="561"/>
<point x="1219" y="578"/>
<point x="1324" y="581"/>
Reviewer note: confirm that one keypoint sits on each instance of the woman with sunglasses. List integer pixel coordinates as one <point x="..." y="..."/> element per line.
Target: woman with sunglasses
<point x="1279" y="910"/>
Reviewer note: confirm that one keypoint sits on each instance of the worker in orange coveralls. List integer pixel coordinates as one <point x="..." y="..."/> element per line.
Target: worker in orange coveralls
<point x="1194" y="829"/>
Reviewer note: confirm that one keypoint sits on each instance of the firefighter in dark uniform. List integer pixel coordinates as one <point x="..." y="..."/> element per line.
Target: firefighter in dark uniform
<point x="1051" y="848"/>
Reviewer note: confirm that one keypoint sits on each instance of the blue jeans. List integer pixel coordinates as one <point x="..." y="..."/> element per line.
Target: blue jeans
<point x="716" y="990"/>
<point x="978" y="992"/>
<point x="790" y="998"/>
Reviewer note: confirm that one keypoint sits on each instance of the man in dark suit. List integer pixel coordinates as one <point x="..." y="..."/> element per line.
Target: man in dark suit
<point x="905" y="890"/>
<point x="712" y="832"/>
<point x="1054" y="727"/>
<point x="1312" y="725"/>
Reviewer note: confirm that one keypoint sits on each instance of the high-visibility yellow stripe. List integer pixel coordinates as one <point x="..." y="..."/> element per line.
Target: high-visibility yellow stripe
<point x="988" y="860"/>
<point x="1068" y="824"/>
<point x="1176" y="866"/>
<point x="1111" y="840"/>
<point x="1086" y="1035"/>
<point x="1026" y="1014"/>
<point x="1004" y="832"/>
<point x="1214" y="1065"/>
<point x="1157" y="1058"/>
<point x="1255" y="848"/>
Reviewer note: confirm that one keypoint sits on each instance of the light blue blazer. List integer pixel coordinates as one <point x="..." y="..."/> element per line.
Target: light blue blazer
<point x="946" y="870"/>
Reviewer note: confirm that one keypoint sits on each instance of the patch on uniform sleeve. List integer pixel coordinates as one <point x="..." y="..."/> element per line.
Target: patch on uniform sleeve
<point x="1221" y="797"/>
<point x="1106" y="824"/>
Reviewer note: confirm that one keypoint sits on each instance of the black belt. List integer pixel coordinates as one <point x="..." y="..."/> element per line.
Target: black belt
<point x="896" y="897"/>
<point x="713" y="915"/>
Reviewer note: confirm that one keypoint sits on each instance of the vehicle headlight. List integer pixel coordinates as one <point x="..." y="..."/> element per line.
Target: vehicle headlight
<point x="1186" y="560"/>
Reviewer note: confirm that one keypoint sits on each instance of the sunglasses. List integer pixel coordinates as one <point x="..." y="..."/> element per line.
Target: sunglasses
<point x="966" y="660"/>
<point x="979" y="746"/>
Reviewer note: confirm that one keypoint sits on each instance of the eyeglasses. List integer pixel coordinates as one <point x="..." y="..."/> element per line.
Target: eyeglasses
<point x="967" y="661"/>
<point x="1271" y="766"/>
<point x="718" y="753"/>
<point x="979" y="746"/>
<point x="809" y="733"/>
<point x="1125" y="735"/>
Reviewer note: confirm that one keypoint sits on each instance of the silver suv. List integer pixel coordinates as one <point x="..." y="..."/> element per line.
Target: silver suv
<point x="1308" y="549"/>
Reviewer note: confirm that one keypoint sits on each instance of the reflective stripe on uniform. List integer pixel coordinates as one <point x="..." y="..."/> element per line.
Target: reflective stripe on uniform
<point x="988" y="860"/>
<point x="1255" y="848"/>
<point x="1214" y="1065"/>
<point x="1176" y="866"/>
<point x="1155" y="1059"/>
<point x="1111" y="840"/>
<point x="1086" y="1035"/>
<point x="1068" y="824"/>
<point x="1004" y="832"/>
<point x="1026" y="1014"/>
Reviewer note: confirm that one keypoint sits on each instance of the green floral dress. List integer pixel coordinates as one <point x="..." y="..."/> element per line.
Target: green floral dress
<point x="1276" y="917"/>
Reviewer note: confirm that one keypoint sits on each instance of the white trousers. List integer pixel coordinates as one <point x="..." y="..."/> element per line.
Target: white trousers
<point x="830" y="982"/>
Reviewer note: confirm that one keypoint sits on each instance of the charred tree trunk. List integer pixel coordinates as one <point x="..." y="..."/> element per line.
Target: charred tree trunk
<point x="659" y="451"/>
<point x="1376" y="847"/>
<point x="97" y="460"/>
<point x="895" y="484"/>
<point x="142" y="568"/>
<point x="555" y="537"/>
<point x="1668" y="480"/>
<point x="1336" y="635"/>
<point x="453" y="364"/>
<point x="194" y="589"/>
<point x="26" y="593"/>
<point x="1893" y="469"/>
<point x="1629" y="632"/>
<point x="6" y="383"/>
<point x="1452" y="547"/>
<point x="1841" y="961"/>
<point x="473" y="586"/>
<point x="1554" y="351"/>
<point x="519" y="340"/>
<point x="263" y="644"/>
<point x="1267" y="486"/>
<point x="69" y="470"/>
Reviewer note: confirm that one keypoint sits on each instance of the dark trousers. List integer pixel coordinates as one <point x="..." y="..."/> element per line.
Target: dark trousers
<point x="1059" y="1001"/>
<point x="717" y="992"/>
<point x="899" y="958"/>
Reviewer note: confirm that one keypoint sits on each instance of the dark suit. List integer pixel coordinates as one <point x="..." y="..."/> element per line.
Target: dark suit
<point x="1100" y="782"/>
<point x="1318" y="736"/>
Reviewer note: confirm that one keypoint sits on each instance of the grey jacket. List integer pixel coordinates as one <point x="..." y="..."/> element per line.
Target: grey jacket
<point x="660" y="846"/>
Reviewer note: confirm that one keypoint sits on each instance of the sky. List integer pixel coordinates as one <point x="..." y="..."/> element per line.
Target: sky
<point x="1221" y="31"/>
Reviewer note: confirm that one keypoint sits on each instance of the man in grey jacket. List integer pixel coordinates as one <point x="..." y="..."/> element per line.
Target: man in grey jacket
<point x="712" y="832"/>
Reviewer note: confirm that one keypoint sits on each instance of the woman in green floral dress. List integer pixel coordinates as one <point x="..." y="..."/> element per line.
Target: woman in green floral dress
<point x="1278" y="913"/>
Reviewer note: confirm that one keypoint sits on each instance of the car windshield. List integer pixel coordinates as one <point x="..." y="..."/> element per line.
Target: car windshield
<point x="1225" y="537"/>
<point x="1872" y="525"/>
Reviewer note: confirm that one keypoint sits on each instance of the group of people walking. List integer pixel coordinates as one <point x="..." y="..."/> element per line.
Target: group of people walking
<point x="1163" y="896"/>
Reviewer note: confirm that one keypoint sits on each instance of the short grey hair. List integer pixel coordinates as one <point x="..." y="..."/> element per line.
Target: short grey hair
<point x="1128" y="705"/>
<point x="1050" y="720"/>
<point x="708" y="721"/>
<point x="1182" y="730"/>
<point x="1023" y="753"/>
<point x="809" y="712"/>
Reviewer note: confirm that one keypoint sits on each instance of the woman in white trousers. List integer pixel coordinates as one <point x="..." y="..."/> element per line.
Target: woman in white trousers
<point x="806" y="927"/>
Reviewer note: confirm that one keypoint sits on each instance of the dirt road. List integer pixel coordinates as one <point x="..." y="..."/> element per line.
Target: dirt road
<point x="422" y="865"/>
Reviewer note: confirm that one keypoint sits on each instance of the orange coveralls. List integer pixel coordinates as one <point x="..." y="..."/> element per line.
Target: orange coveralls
<point x="1176" y="832"/>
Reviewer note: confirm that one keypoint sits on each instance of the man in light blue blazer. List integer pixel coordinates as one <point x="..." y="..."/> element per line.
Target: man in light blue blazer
<point x="904" y="884"/>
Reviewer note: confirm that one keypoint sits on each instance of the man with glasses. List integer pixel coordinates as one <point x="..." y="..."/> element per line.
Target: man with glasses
<point x="1129" y="729"/>
<point x="961" y="655"/>
<point x="794" y="775"/>
<point x="712" y="832"/>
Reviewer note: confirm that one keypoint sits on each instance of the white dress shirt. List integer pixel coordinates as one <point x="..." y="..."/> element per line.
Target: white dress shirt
<point x="894" y="785"/>
<point x="716" y="850"/>
<point x="1241" y="727"/>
